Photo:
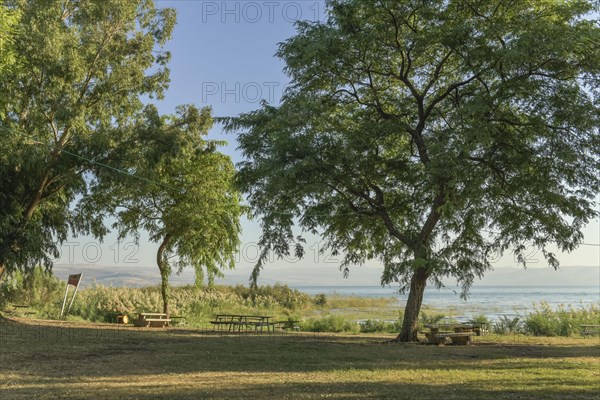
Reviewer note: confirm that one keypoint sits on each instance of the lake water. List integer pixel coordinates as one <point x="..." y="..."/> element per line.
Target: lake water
<point x="492" y="301"/>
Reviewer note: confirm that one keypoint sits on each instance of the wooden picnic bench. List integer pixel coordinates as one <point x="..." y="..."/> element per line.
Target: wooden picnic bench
<point x="458" y="334"/>
<point x="21" y="309"/>
<point x="588" y="330"/>
<point x="155" y="320"/>
<point x="233" y="322"/>
<point x="288" y="324"/>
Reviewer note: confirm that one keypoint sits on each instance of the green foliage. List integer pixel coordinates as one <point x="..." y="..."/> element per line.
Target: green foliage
<point x="320" y="300"/>
<point x="8" y="22"/>
<point x="36" y="288"/>
<point x="198" y="305"/>
<point x="377" y="326"/>
<point x="279" y="294"/>
<point x="184" y="197"/>
<point x="425" y="319"/>
<point x="330" y="323"/>
<point x="480" y="320"/>
<point x="337" y="301"/>
<point x="507" y="325"/>
<point x="430" y="142"/>
<point x="84" y="67"/>
<point x="564" y="321"/>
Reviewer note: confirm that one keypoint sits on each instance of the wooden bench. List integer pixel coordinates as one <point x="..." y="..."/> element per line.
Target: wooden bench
<point x="242" y="322"/>
<point x="460" y="334"/>
<point x="20" y="309"/>
<point x="588" y="330"/>
<point x="288" y="324"/>
<point x="228" y="321"/>
<point x="154" y="320"/>
<point x="463" y="338"/>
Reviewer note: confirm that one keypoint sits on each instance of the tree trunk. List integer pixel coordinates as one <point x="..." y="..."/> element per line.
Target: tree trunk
<point x="410" y="324"/>
<point x="2" y="272"/>
<point x="164" y="289"/>
<point x="165" y="271"/>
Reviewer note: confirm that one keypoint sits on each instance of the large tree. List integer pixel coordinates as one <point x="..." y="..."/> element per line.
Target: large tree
<point x="84" y="67"/>
<point x="8" y="21"/>
<point x="180" y="191"/>
<point x="430" y="135"/>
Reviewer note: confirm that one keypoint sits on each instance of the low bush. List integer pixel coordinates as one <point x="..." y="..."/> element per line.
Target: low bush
<point x="507" y="325"/>
<point x="338" y="301"/>
<point x="564" y="321"/>
<point x="320" y="300"/>
<point x="269" y="296"/>
<point x="376" y="326"/>
<point x="38" y="289"/>
<point x="103" y="304"/>
<point x="481" y="321"/>
<point x="330" y="323"/>
<point x="425" y="319"/>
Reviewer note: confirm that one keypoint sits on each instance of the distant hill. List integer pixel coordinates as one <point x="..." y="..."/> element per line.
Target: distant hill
<point x="138" y="276"/>
<point x="118" y="276"/>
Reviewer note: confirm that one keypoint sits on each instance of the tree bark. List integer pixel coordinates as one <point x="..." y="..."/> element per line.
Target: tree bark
<point x="2" y="272"/>
<point x="410" y="324"/>
<point x="164" y="273"/>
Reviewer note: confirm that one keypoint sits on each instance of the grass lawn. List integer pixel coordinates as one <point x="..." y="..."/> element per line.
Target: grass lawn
<point x="49" y="359"/>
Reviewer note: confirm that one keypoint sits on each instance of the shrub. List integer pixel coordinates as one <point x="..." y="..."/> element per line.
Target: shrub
<point x="425" y="319"/>
<point x="331" y="323"/>
<point x="37" y="288"/>
<point x="481" y="321"/>
<point x="373" y="326"/>
<point x="544" y="321"/>
<point x="507" y="325"/>
<point x="268" y="296"/>
<point x="320" y="300"/>
<point x="103" y="304"/>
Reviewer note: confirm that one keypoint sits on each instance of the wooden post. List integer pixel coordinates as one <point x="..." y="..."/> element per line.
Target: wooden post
<point x="64" y="301"/>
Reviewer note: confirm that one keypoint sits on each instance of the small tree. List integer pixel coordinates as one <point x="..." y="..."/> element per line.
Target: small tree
<point x="430" y="135"/>
<point x="181" y="192"/>
<point x="83" y="67"/>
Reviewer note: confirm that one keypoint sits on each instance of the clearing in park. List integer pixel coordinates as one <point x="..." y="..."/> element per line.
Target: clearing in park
<point x="51" y="359"/>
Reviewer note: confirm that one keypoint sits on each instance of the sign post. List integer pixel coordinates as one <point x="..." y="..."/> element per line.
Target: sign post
<point x="72" y="281"/>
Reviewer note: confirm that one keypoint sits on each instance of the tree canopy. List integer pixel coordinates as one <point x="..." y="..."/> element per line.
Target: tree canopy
<point x="180" y="191"/>
<point x="430" y="135"/>
<point x="8" y="21"/>
<point x="84" y="67"/>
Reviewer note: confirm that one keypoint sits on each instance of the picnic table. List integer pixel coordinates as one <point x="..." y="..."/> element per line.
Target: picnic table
<point x="457" y="333"/>
<point x="587" y="330"/>
<point x="155" y="320"/>
<point x="288" y="324"/>
<point x="20" y="309"/>
<point x="233" y="322"/>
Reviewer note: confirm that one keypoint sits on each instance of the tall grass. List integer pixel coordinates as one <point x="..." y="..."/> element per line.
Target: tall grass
<point x="44" y="294"/>
<point x="198" y="305"/>
<point x="38" y="289"/>
<point x="338" y="301"/>
<point x="330" y="323"/>
<point x="506" y="325"/>
<point x="564" y="321"/>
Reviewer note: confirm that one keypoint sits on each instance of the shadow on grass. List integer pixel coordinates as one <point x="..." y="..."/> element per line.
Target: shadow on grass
<point x="233" y="389"/>
<point x="70" y="361"/>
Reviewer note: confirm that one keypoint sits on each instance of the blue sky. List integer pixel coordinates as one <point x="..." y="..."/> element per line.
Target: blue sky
<point x="223" y="57"/>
